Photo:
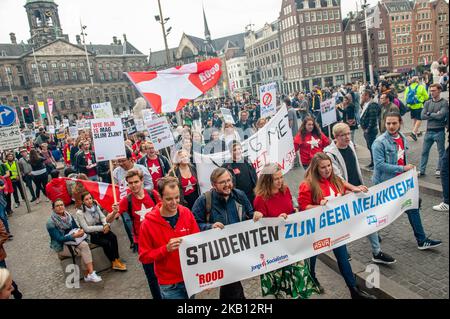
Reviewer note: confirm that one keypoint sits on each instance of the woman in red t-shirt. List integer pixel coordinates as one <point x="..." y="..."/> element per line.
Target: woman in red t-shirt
<point x="320" y="186"/>
<point x="309" y="140"/>
<point x="273" y="199"/>
<point x="187" y="177"/>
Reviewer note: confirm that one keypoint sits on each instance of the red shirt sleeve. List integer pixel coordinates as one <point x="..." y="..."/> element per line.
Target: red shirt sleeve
<point x="304" y="196"/>
<point x="260" y="205"/>
<point x="123" y="205"/>
<point x="148" y="252"/>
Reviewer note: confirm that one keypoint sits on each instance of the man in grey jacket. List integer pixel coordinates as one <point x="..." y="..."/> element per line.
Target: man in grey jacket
<point x="435" y="111"/>
<point x="25" y="170"/>
<point x="346" y="166"/>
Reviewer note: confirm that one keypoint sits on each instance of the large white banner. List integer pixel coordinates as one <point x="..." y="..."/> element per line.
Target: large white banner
<point x="271" y="144"/>
<point x="218" y="257"/>
<point x="108" y="139"/>
<point x="268" y="99"/>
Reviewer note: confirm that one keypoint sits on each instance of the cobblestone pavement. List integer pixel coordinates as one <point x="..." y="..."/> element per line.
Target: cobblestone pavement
<point x="38" y="272"/>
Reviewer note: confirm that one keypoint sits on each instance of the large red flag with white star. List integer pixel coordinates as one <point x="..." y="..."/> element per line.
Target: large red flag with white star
<point x="169" y="90"/>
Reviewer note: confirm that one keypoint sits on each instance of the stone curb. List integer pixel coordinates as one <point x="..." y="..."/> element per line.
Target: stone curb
<point x="388" y="288"/>
<point x="424" y="187"/>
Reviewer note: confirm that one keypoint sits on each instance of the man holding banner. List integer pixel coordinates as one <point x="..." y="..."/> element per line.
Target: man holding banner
<point x="223" y="206"/>
<point x="161" y="235"/>
<point x="390" y="160"/>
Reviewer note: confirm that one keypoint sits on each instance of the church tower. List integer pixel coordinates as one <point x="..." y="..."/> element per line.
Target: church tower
<point x="44" y="22"/>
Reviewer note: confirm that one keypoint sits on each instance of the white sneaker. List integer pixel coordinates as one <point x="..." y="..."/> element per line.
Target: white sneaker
<point x="442" y="207"/>
<point x="93" y="277"/>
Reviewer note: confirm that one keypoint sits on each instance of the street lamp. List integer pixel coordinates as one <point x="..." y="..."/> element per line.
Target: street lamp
<point x="159" y="18"/>
<point x="365" y="6"/>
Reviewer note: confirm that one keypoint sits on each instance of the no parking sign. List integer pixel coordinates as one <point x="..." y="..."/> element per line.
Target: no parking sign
<point x="268" y="99"/>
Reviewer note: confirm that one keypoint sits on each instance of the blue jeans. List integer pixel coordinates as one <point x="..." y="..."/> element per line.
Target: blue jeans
<point x="94" y="178"/>
<point x="428" y="141"/>
<point x="375" y="243"/>
<point x="4" y="218"/>
<point x="175" y="291"/>
<point x="128" y="225"/>
<point x="149" y="270"/>
<point x="370" y="137"/>
<point x="344" y="266"/>
<point x="444" y="176"/>
<point x="416" y="224"/>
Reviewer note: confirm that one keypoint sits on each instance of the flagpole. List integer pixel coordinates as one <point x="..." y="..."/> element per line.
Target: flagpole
<point x="111" y="168"/>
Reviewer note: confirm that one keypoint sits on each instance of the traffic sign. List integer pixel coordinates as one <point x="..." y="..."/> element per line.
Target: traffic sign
<point x="7" y="115"/>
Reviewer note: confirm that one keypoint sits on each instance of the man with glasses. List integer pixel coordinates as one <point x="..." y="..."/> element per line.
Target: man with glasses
<point x="119" y="174"/>
<point x="224" y="205"/>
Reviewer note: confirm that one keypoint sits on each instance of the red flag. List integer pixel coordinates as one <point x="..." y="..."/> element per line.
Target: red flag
<point x="101" y="192"/>
<point x="169" y="90"/>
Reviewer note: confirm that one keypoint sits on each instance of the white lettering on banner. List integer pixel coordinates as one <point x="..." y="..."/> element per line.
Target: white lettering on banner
<point x="249" y="249"/>
<point x="271" y="144"/>
<point x="108" y="139"/>
<point x="206" y="76"/>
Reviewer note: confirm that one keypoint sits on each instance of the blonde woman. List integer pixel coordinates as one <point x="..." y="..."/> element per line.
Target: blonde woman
<point x="187" y="178"/>
<point x="273" y="199"/>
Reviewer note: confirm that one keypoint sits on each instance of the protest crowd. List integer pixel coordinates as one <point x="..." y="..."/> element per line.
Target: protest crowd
<point x="161" y="199"/>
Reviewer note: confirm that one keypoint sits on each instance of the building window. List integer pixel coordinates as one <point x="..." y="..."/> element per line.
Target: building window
<point x="73" y="65"/>
<point x="54" y="65"/>
<point x="325" y="15"/>
<point x="325" y="29"/>
<point x="64" y="65"/>
<point x="74" y="76"/>
<point x="66" y="76"/>
<point x="56" y="76"/>
<point x="36" y="78"/>
<point x="46" y="77"/>
<point x="381" y="35"/>
<point x="44" y="66"/>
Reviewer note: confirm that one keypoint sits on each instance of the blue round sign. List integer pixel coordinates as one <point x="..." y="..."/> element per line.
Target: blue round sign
<point x="7" y="115"/>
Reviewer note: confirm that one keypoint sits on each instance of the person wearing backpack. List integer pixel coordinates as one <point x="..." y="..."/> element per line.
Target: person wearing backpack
<point x="415" y="96"/>
<point x="137" y="204"/>
<point x="224" y="205"/>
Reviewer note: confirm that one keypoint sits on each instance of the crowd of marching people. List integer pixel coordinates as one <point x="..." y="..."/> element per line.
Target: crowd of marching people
<point x="161" y="200"/>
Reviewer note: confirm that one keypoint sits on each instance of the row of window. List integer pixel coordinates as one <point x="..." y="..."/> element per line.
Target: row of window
<point x="323" y="69"/>
<point x="382" y="48"/>
<point x="323" y="56"/>
<point x="402" y="39"/>
<point x="274" y="58"/>
<point x="383" y="61"/>
<point x="264" y="48"/>
<point x="76" y="76"/>
<point x="427" y="59"/>
<point x="423" y="26"/>
<point x="320" y="29"/>
<point x="353" y="39"/>
<point x="403" y="62"/>
<point x="424" y="16"/>
<point x="403" y="51"/>
<point x="64" y="65"/>
<point x="354" y="52"/>
<point x="401" y="29"/>
<point x="355" y="65"/>
<point x="323" y="43"/>
<point x="400" y="17"/>
<point x="321" y="15"/>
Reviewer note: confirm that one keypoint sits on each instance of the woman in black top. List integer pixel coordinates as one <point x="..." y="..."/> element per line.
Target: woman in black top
<point x="39" y="173"/>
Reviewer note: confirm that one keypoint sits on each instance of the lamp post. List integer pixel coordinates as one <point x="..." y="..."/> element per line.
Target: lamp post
<point x="84" y="34"/>
<point x="365" y="6"/>
<point x="159" y="18"/>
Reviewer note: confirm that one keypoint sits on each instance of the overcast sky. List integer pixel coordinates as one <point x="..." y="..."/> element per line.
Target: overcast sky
<point x="106" y="18"/>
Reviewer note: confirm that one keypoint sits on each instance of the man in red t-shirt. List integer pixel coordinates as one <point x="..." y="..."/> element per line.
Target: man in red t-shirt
<point x="142" y="202"/>
<point x="157" y="165"/>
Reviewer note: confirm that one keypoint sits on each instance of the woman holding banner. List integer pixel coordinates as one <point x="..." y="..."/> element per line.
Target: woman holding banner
<point x="319" y="186"/>
<point x="309" y="140"/>
<point x="273" y="199"/>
